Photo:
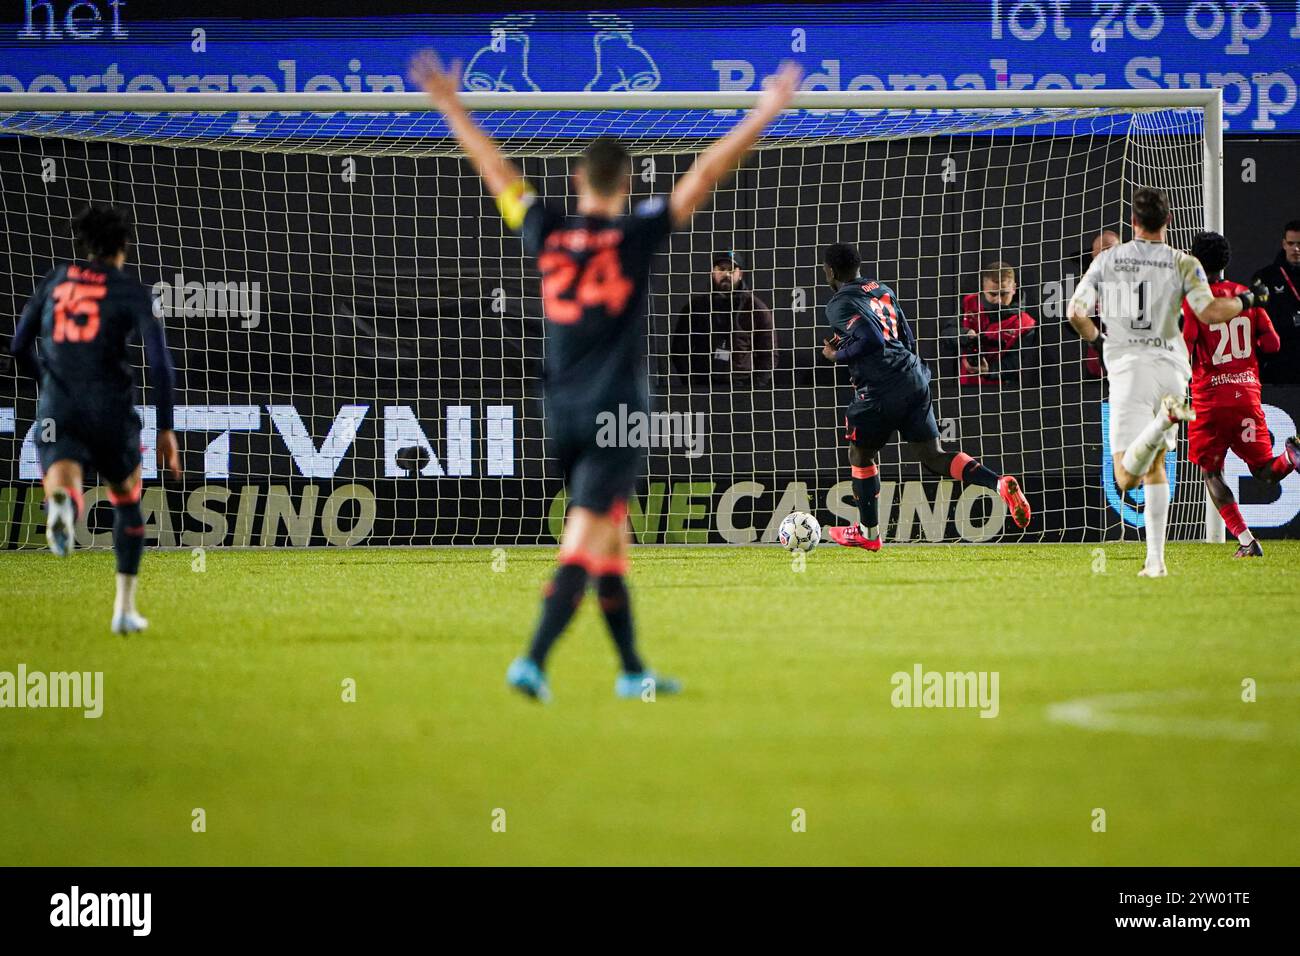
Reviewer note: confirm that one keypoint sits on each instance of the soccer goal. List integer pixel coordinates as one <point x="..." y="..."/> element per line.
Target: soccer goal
<point x="360" y="339"/>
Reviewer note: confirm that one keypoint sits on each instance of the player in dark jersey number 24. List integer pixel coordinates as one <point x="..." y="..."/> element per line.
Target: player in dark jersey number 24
<point x="891" y="393"/>
<point x="595" y="270"/>
<point x="73" y="338"/>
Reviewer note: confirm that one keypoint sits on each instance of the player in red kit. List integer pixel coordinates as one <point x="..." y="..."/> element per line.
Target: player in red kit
<point x="1225" y="394"/>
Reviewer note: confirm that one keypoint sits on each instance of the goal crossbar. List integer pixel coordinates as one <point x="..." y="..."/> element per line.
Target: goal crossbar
<point x="1210" y="100"/>
<point x="326" y="101"/>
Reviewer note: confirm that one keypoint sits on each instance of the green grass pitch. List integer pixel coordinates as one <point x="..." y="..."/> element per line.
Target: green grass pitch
<point x="233" y="703"/>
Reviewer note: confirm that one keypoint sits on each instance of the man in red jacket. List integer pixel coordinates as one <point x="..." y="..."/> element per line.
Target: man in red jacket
<point x="993" y="329"/>
<point x="1225" y="394"/>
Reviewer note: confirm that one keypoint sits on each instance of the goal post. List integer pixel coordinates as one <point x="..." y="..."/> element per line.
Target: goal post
<point x="1215" y="530"/>
<point x="360" y="340"/>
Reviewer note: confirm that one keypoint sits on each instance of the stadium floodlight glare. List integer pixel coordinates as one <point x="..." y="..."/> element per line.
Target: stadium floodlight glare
<point x="397" y="338"/>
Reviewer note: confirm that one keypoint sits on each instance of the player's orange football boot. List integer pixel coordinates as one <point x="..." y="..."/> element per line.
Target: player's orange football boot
<point x="1009" y="491"/>
<point x="852" y="537"/>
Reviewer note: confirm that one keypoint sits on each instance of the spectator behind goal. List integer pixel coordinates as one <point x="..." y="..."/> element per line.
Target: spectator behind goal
<point x="993" y="328"/>
<point x="725" y="338"/>
<point x="1282" y="276"/>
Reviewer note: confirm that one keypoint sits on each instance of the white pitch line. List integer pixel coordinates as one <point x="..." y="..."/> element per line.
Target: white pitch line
<point x="1110" y="712"/>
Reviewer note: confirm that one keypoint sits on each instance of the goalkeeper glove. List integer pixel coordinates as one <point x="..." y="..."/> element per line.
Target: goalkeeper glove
<point x="1256" y="295"/>
<point x="1097" y="343"/>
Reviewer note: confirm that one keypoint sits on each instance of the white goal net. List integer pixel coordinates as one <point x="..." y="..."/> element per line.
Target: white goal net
<point x="359" y="339"/>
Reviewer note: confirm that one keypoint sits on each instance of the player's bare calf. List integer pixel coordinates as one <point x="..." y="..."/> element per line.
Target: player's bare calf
<point x="63" y="504"/>
<point x="61" y="522"/>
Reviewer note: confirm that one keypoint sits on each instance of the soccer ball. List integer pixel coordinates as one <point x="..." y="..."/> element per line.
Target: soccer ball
<point x="799" y="532"/>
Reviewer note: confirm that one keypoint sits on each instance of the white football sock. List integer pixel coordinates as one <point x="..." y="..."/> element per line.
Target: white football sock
<point x="1141" y="454"/>
<point x="1245" y="537"/>
<point x="1155" y="518"/>
<point x="125" y="601"/>
<point x="871" y="533"/>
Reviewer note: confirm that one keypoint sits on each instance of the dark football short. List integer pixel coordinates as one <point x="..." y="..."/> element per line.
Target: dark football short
<point x="108" y="441"/>
<point x="598" y="477"/>
<point x="870" y="421"/>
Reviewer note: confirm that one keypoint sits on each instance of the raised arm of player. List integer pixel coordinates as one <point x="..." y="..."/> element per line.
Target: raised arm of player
<point x="721" y="158"/>
<point x="501" y="176"/>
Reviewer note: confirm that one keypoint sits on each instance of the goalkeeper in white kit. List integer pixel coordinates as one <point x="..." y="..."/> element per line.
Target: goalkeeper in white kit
<point x="1141" y="285"/>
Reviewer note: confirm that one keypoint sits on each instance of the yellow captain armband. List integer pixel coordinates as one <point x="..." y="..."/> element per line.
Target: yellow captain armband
<point x="514" y="202"/>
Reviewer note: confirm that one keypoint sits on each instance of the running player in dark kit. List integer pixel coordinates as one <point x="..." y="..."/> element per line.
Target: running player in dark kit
<point x="73" y="337"/>
<point x="891" y="393"/>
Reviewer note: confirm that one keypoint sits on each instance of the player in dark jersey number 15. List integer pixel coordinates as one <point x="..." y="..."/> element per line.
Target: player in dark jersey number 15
<point x="891" y="393"/>
<point x="595" y="268"/>
<point x="73" y="337"/>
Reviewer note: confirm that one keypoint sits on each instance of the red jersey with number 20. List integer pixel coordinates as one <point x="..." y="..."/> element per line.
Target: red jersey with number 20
<point x="595" y="279"/>
<point x="1225" y="363"/>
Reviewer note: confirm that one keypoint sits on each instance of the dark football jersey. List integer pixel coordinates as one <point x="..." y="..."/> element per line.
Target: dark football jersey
<point x="873" y="338"/>
<point x="78" y="326"/>
<point x="595" y="280"/>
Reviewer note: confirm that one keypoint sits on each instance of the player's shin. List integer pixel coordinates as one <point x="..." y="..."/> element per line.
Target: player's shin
<point x="1279" y="468"/>
<point x="124" y="599"/>
<point x="1139" y="457"/>
<point x="74" y="496"/>
<point x="1235" y="523"/>
<point x="967" y="470"/>
<point x="616" y="605"/>
<point x="559" y="602"/>
<point x="1155" y="520"/>
<point x="1291" y="451"/>
<point x="866" y="489"/>
<point x="1141" y="454"/>
<point x="63" y="506"/>
<point x="128" y="548"/>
